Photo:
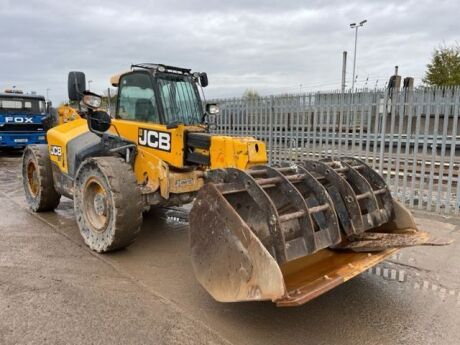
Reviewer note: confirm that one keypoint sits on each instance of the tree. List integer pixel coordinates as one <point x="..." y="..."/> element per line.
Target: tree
<point x="444" y="69"/>
<point x="251" y="94"/>
<point x="106" y="101"/>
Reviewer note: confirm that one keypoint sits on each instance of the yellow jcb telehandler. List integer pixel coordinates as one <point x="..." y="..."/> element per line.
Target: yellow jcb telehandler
<point x="287" y="233"/>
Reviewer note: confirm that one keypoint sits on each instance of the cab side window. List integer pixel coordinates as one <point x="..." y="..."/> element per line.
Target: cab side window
<point x="136" y="101"/>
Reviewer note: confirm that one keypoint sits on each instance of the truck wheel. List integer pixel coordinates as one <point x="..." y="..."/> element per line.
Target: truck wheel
<point x="37" y="178"/>
<point x="108" y="203"/>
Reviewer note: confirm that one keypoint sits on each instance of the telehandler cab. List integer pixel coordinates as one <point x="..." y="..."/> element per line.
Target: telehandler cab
<point x="286" y="234"/>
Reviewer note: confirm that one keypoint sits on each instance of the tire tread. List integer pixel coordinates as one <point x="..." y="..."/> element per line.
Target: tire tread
<point x="127" y="201"/>
<point x="48" y="198"/>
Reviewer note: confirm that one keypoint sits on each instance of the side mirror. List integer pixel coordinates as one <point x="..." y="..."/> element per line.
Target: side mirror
<point x="99" y="121"/>
<point x="203" y="79"/>
<point x="76" y="85"/>
<point x="47" y="122"/>
<point x="212" y="108"/>
<point x="91" y="100"/>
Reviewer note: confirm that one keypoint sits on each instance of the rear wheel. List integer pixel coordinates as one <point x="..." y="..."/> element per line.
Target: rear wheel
<point x="37" y="177"/>
<point x="108" y="203"/>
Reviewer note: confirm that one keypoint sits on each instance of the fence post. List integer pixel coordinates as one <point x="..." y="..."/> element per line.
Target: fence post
<point x="270" y="130"/>
<point x="382" y="132"/>
<point x="453" y="146"/>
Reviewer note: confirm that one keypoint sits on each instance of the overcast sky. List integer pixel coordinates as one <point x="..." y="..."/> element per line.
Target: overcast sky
<point x="272" y="46"/>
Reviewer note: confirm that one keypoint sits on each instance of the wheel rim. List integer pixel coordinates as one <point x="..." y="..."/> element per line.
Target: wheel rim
<point x="32" y="178"/>
<point x="96" y="205"/>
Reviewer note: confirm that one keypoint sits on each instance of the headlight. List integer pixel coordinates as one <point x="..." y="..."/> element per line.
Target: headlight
<point x="92" y="100"/>
<point x="212" y="109"/>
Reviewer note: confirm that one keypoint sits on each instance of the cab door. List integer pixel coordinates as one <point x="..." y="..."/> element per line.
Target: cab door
<point x="139" y="118"/>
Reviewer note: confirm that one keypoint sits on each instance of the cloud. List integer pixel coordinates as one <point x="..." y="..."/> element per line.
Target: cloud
<point x="273" y="46"/>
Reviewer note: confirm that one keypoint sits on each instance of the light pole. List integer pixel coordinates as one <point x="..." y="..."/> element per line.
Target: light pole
<point x="356" y="27"/>
<point x="47" y="94"/>
<point x="89" y="84"/>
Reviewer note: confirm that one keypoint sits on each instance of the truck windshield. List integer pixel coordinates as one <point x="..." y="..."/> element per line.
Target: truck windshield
<point x="22" y="105"/>
<point x="180" y="99"/>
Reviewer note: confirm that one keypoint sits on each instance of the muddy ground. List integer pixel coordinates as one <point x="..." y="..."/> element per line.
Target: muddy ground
<point x="53" y="290"/>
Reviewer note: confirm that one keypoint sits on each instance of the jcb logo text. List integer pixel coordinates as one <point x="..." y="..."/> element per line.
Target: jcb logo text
<point x="155" y="139"/>
<point x="55" y="150"/>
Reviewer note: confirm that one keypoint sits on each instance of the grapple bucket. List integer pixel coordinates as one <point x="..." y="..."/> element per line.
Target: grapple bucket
<point x="291" y="233"/>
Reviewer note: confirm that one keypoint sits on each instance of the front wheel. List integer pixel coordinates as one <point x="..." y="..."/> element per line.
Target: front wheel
<point x="37" y="178"/>
<point x="108" y="203"/>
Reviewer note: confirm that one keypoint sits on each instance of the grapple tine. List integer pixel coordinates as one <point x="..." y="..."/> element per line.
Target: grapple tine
<point x="309" y="235"/>
<point x="342" y="194"/>
<point x="372" y="217"/>
<point x="329" y="221"/>
<point x="296" y="219"/>
<point x="377" y="183"/>
<point x="253" y="204"/>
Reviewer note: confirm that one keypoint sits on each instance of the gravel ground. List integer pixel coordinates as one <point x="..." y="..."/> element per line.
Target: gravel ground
<point x="53" y="290"/>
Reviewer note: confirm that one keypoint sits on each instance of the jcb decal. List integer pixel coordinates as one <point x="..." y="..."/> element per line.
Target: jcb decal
<point x="155" y="139"/>
<point x="55" y="150"/>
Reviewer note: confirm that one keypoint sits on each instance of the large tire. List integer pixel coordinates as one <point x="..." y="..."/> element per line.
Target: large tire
<point x="108" y="203"/>
<point x="37" y="178"/>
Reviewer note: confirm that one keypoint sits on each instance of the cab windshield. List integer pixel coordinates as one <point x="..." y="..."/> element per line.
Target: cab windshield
<point x="22" y="105"/>
<point x="180" y="99"/>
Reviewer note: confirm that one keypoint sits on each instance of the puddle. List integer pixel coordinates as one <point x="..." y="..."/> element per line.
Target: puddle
<point x="410" y="279"/>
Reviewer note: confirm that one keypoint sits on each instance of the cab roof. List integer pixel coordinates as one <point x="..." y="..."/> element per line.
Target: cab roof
<point x="115" y="79"/>
<point x="21" y="95"/>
